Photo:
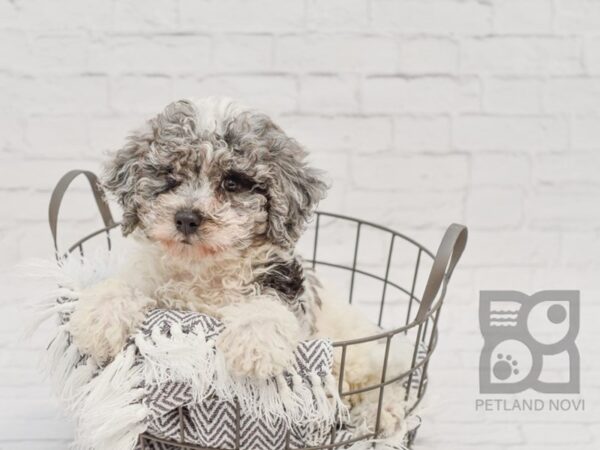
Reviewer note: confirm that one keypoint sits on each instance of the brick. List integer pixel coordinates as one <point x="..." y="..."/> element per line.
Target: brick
<point x="572" y="169"/>
<point x="65" y="15"/>
<point x="23" y="429"/>
<point x="504" y="55"/>
<point x="404" y="210"/>
<point x="9" y="13"/>
<point x="60" y="94"/>
<point x="495" y="208"/>
<point x="12" y="133"/>
<point x="242" y="52"/>
<point x="16" y="51"/>
<point x="8" y="96"/>
<point x="581" y="248"/>
<point x="566" y="434"/>
<point x="585" y="133"/>
<point x="510" y="133"/>
<point x="37" y="445"/>
<point x="328" y="94"/>
<point x="138" y="15"/>
<point x="592" y="55"/>
<point x="520" y="278"/>
<point x="479" y="435"/>
<point x="232" y="15"/>
<point x="181" y="54"/>
<point x="147" y="95"/>
<point x="336" y="166"/>
<point x="422" y="134"/>
<point x="328" y="15"/>
<point x="58" y="53"/>
<point x="9" y="245"/>
<point x="500" y="169"/>
<point x="428" y="55"/>
<point x="56" y="137"/>
<point x="410" y="173"/>
<point x="32" y="409"/>
<point x="434" y="17"/>
<point x="523" y="17"/>
<point x="110" y="133"/>
<point x="512" y="96"/>
<point x="272" y="94"/>
<point x="359" y="134"/>
<point x="577" y="16"/>
<point x="422" y="95"/>
<point x="524" y="249"/>
<point x="335" y="53"/>
<point x="41" y="174"/>
<point x="559" y="209"/>
<point x="573" y="95"/>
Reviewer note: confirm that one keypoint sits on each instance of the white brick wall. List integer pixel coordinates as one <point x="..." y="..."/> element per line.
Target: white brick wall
<point x="424" y="112"/>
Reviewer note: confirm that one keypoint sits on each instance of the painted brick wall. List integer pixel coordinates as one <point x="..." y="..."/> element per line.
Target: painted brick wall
<point x="424" y="112"/>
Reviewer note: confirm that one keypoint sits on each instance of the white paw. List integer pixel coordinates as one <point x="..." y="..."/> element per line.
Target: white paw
<point x="364" y="416"/>
<point x="104" y="317"/>
<point x="258" y="342"/>
<point x="257" y="355"/>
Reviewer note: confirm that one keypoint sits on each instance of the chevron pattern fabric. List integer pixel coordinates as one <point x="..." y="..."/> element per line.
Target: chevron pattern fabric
<point x="213" y="422"/>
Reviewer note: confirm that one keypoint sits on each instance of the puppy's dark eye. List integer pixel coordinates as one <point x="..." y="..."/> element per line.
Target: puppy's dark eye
<point x="236" y="183"/>
<point x="230" y="185"/>
<point x="170" y="184"/>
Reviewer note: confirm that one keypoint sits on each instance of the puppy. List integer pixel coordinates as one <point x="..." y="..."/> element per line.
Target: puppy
<point x="217" y="195"/>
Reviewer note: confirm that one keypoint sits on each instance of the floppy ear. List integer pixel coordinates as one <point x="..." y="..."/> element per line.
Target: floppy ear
<point x="295" y="191"/>
<point x="121" y="175"/>
<point x="124" y="173"/>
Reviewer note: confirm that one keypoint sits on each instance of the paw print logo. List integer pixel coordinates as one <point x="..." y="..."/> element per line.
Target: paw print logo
<point x="524" y="333"/>
<point x="505" y="367"/>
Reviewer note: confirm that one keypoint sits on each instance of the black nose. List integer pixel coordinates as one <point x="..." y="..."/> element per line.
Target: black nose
<point x="187" y="221"/>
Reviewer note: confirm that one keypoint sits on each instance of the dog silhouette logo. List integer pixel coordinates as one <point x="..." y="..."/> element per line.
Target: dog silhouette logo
<point x="529" y="342"/>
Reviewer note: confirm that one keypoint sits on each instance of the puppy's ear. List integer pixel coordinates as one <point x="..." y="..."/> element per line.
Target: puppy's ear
<point x="295" y="191"/>
<point x="121" y="175"/>
<point x="126" y="175"/>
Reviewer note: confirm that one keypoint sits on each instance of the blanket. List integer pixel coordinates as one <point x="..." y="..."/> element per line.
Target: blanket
<point x="170" y="382"/>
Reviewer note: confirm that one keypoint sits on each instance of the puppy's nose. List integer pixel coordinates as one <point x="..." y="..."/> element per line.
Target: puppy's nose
<point x="187" y="221"/>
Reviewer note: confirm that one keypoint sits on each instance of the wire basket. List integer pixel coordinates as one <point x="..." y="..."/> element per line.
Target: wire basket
<point x="382" y="272"/>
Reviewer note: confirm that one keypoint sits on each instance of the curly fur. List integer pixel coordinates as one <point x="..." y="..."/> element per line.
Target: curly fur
<point x="240" y="265"/>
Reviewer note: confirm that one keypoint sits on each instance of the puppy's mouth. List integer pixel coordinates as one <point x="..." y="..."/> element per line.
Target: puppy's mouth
<point x="184" y="247"/>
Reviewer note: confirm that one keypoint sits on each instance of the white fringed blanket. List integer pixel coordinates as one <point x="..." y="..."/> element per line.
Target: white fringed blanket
<point x="171" y="363"/>
<point x="171" y="382"/>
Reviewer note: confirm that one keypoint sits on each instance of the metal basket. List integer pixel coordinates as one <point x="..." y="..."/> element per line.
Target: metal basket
<point x="418" y="320"/>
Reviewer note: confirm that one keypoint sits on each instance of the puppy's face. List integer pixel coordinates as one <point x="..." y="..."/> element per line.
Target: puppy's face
<point x="211" y="177"/>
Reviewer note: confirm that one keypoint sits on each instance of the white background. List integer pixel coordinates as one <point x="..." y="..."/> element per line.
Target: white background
<point x="423" y="112"/>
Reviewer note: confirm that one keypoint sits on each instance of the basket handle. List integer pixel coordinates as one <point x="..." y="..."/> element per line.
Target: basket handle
<point x="59" y="192"/>
<point x="448" y="254"/>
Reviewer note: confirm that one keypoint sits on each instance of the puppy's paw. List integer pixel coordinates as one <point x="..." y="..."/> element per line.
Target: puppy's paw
<point x="104" y="317"/>
<point x="364" y="416"/>
<point x="254" y="355"/>
<point x="259" y="339"/>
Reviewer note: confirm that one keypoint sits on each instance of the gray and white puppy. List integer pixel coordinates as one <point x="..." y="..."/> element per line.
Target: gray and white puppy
<point x="217" y="196"/>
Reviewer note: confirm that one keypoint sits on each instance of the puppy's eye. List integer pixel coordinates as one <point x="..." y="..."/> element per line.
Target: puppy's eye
<point x="170" y="184"/>
<point x="236" y="183"/>
<point x="231" y="185"/>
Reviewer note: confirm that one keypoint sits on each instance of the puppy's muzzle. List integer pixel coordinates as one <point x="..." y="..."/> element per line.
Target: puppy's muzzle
<point x="187" y="221"/>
